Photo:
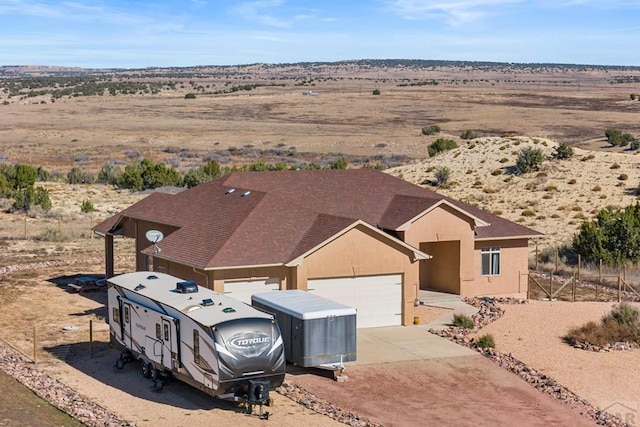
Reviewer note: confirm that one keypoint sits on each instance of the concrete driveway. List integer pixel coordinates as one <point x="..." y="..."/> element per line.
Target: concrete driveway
<point x="404" y="343"/>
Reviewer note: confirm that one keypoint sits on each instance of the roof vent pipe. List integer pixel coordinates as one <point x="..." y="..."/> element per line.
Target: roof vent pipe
<point x="229" y="191"/>
<point x="246" y="193"/>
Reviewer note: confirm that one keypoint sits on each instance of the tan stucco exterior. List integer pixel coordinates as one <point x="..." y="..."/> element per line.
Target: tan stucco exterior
<point x="444" y="232"/>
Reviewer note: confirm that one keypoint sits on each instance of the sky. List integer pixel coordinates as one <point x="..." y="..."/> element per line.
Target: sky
<point x="178" y="33"/>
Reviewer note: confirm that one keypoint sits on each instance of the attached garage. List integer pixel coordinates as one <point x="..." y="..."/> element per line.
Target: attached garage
<point x="378" y="299"/>
<point x="242" y="290"/>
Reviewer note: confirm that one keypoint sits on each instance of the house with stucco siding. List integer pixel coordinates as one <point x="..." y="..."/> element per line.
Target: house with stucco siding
<point x="358" y="236"/>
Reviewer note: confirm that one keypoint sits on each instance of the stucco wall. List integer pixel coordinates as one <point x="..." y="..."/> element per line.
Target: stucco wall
<point x="451" y="263"/>
<point x="512" y="279"/>
<point x="363" y="252"/>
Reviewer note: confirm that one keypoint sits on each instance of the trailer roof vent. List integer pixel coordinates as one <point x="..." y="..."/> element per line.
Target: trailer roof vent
<point x="230" y="190"/>
<point x="152" y="277"/>
<point x="139" y="287"/>
<point x="187" y="287"/>
<point x="207" y="301"/>
<point x="246" y="193"/>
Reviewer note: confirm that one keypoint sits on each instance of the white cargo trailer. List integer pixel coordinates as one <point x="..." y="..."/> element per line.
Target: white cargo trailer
<point x="317" y="332"/>
<point x="213" y="342"/>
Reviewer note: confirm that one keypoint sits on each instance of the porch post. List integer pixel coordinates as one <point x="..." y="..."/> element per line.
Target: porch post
<point x="108" y="255"/>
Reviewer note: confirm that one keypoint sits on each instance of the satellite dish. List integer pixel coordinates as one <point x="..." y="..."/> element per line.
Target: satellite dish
<point x="154" y="236"/>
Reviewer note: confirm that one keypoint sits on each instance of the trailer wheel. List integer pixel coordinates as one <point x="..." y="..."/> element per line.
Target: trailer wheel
<point x="153" y="372"/>
<point x="146" y="369"/>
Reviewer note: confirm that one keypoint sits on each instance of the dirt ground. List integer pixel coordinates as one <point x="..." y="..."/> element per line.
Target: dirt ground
<point x="391" y="393"/>
<point x="21" y="407"/>
<point x="533" y="333"/>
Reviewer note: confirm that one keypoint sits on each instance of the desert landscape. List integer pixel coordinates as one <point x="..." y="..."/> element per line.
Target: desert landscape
<point x="508" y="106"/>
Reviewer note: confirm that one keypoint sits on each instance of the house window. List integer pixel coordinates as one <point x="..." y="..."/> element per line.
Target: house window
<point x="490" y="261"/>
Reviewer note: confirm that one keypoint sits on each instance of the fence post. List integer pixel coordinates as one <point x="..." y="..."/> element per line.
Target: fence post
<point x="579" y="265"/>
<point x="573" y="287"/>
<point x="550" y="285"/>
<point x="556" y="259"/>
<point x="91" y="339"/>
<point x="536" y="257"/>
<point x="35" y="346"/>
<point x="619" y="289"/>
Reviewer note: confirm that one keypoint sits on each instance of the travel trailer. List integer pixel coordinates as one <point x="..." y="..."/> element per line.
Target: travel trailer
<point x="213" y="342"/>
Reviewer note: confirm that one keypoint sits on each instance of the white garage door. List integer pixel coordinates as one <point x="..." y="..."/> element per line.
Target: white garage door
<point x="242" y="290"/>
<point x="378" y="299"/>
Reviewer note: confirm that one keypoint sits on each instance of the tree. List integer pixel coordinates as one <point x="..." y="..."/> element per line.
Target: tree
<point x="26" y="198"/>
<point x="529" y="159"/>
<point x="190" y="96"/>
<point x="376" y="92"/>
<point x="24" y="176"/>
<point x="613" y="236"/>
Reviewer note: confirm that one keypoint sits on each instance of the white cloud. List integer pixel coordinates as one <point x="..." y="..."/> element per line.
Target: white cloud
<point x="260" y="11"/>
<point x="454" y="12"/>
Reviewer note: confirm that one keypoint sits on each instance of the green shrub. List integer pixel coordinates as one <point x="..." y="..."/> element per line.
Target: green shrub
<point x="615" y="166"/>
<point x="442" y="175"/>
<point x="620" y="325"/>
<point x="623" y="177"/>
<point x="625" y="314"/>
<point x="563" y="151"/>
<point x="190" y="95"/>
<point x="496" y="172"/>
<point x="618" y="138"/>
<point x="529" y="159"/>
<point x="463" y="321"/>
<point x="25" y="199"/>
<point x="440" y="145"/>
<point x="52" y="235"/>
<point x="87" y="206"/>
<point x="431" y="130"/>
<point x="468" y="134"/>
<point x="376" y="92"/>
<point x="486" y="341"/>
<point x="76" y="176"/>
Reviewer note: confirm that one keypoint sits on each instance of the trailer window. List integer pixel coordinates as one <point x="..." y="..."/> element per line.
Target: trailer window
<point x="158" y="333"/>
<point x="196" y="346"/>
<point x="166" y="332"/>
<point x="126" y="314"/>
<point x="116" y="315"/>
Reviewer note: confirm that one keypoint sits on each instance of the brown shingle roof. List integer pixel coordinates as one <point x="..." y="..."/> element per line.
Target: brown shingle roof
<point x="287" y="213"/>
